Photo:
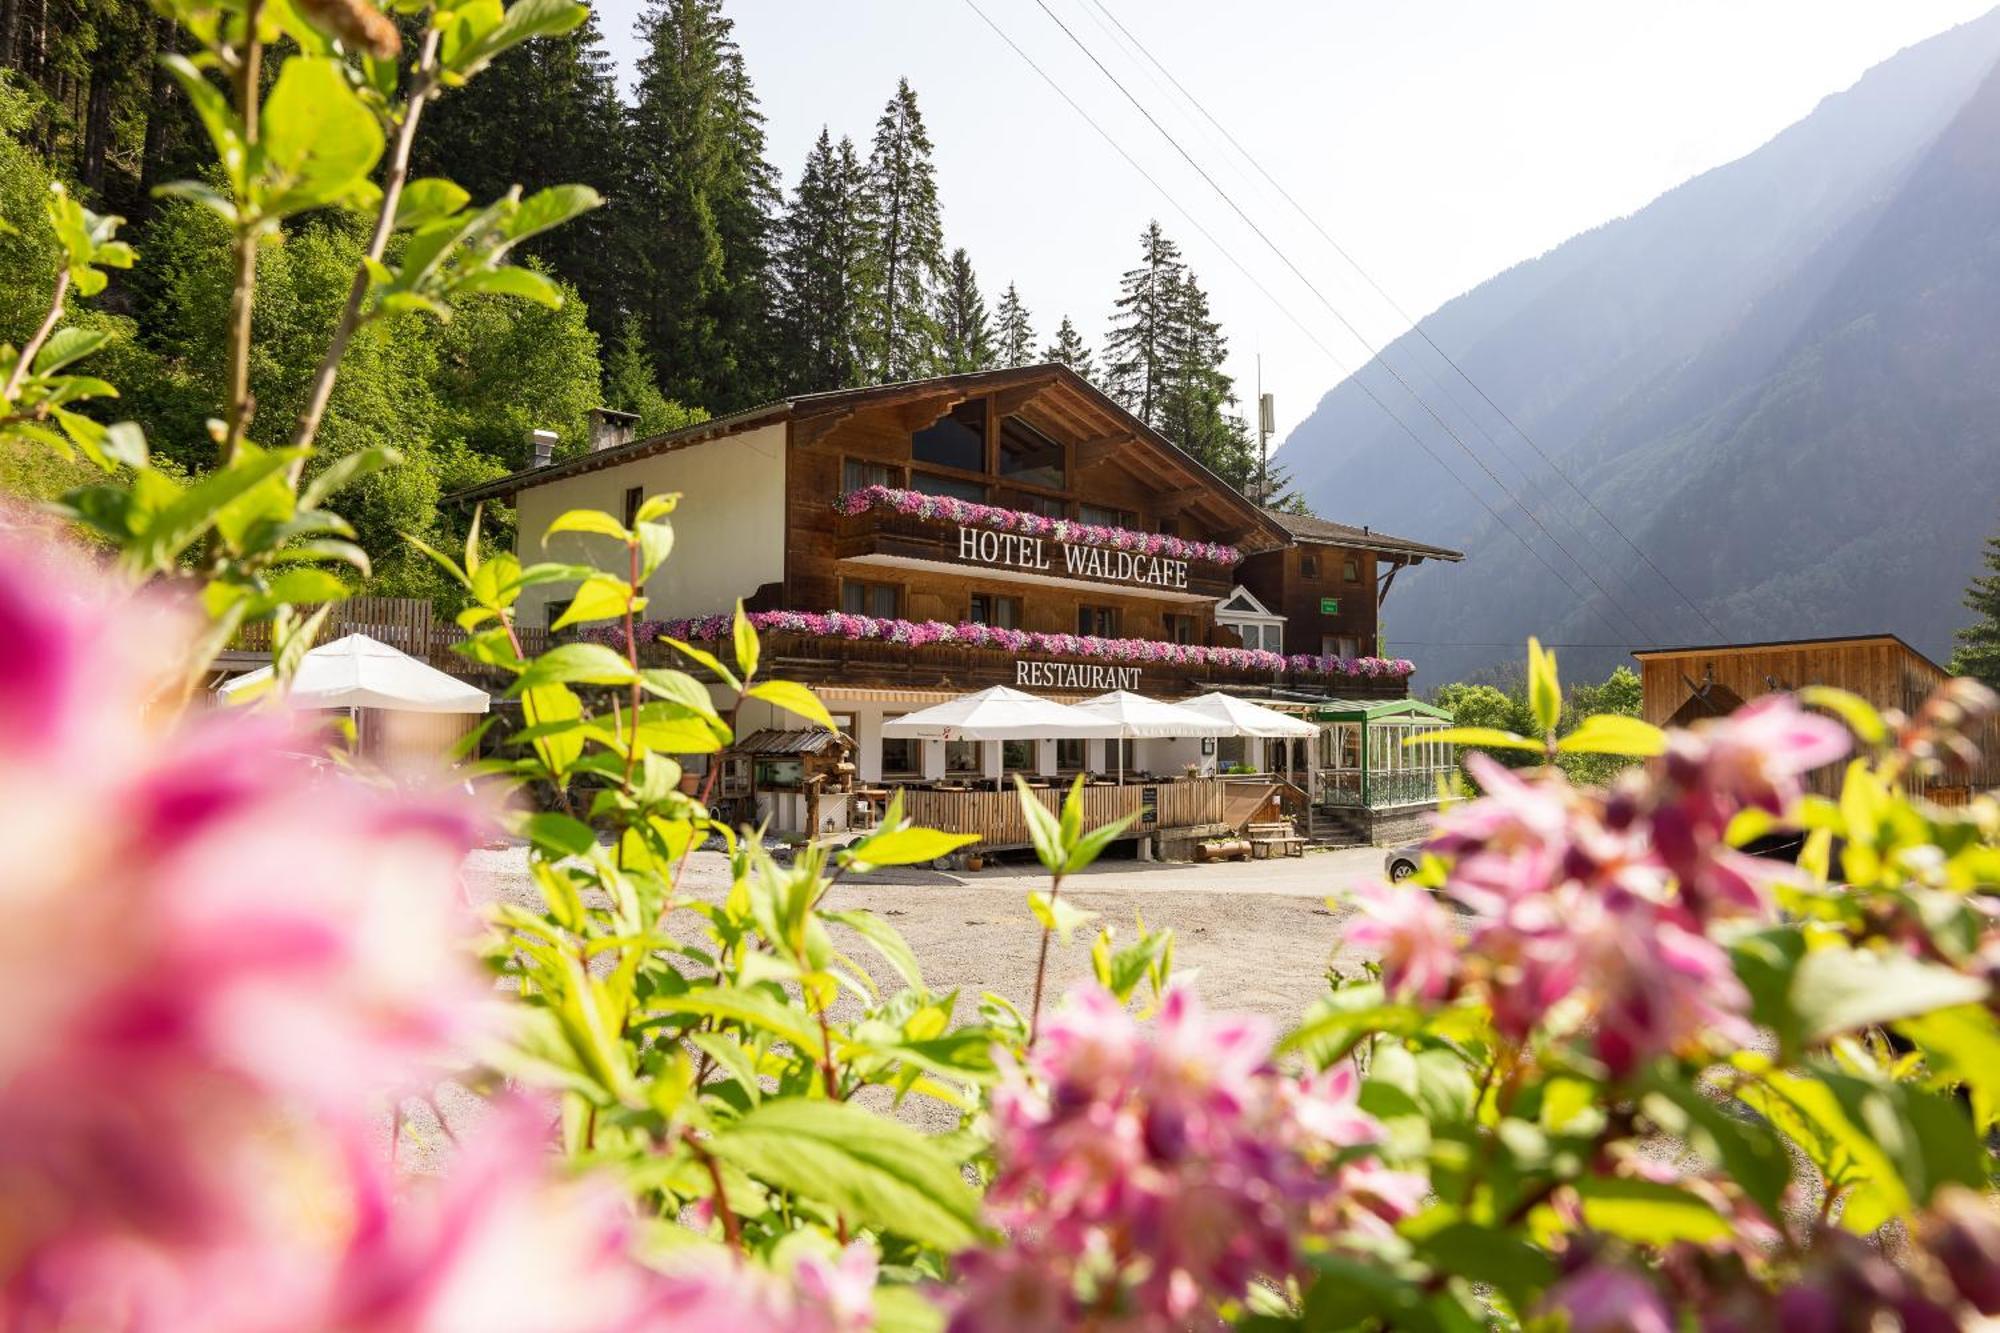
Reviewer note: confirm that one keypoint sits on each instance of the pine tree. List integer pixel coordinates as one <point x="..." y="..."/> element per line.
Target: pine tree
<point x="1069" y="349"/>
<point x="547" y="113"/>
<point x="629" y="385"/>
<point x="965" y="334"/>
<point x="1137" y="352"/>
<point x="906" y="243"/>
<point x="1015" y="334"/>
<point x="1196" y="393"/>
<point x="1978" y="652"/>
<point x="822" y="248"/>
<point x="696" y="218"/>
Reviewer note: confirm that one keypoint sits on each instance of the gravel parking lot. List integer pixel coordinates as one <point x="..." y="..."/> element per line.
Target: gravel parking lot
<point x="1255" y="935"/>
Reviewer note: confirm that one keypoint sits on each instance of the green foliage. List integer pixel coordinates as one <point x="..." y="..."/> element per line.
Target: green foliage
<point x="1013" y="334"/>
<point x="1596" y="729"/>
<point x="903" y="258"/>
<point x="965" y="332"/>
<point x="1978" y="651"/>
<point x="1069" y="349"/>
<point x="821" y="263"/>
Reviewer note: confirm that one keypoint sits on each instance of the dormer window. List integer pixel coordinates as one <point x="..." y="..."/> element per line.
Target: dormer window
<point x="1028" y="456"/>
<point x="955" y="440"/>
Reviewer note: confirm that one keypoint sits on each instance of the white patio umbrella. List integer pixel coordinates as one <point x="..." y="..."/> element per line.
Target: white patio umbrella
<point x="1138" y="717"/>
<point x="999" y="714"/>
<point x="1249" y="719"/>
<point x="360" y="672"/>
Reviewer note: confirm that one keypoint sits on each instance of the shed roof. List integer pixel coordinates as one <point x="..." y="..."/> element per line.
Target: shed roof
<point x="1781" y="645"/>
<point x="807" y="740"/>
<point x="1317" y="531"/>
<point x="1372" y="710"/>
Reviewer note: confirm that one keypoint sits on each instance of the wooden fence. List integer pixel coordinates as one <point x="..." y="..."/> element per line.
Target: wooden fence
<point x="997" y="818"/>
<point x="407" y="624"/>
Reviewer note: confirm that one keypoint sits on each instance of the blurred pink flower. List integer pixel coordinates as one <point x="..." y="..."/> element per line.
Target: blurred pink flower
<point x="1169" y="1165"/>
<point x="1604" y="1298"/>
<point x="1415" y="937"/>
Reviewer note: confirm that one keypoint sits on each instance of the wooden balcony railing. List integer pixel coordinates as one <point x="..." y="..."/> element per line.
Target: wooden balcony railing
<point x="407" y="624"/>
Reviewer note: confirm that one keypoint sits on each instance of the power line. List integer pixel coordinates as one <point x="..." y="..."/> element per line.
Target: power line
<point x="1283" y="309"/>
<point x="1416" y="326"/>
<point x="1345" y="323"/>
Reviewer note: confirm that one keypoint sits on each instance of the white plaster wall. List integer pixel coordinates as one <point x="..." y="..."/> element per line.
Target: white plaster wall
<point x="729" y="532"/>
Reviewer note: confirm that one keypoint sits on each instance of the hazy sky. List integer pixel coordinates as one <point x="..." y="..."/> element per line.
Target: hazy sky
<point x="1438" y="141"/>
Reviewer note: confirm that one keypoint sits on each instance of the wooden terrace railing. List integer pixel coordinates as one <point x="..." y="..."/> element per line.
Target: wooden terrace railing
<point x="996" y="816"/>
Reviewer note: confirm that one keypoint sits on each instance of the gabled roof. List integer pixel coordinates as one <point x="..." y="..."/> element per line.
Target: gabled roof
<point x="1252" y="607"/>
<point x="1779" y="645"/>
<point x="1084" y="409"/>
<point x="1317" y="531"/>
<point x="1370" y="710"/>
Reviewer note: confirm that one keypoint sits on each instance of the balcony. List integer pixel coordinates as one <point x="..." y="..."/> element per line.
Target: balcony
<point x="884" y="537"/>
<point x="875" y="663"/>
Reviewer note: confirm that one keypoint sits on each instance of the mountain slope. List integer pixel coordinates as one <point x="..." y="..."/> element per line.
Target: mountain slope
<point x="1781" y="379"/>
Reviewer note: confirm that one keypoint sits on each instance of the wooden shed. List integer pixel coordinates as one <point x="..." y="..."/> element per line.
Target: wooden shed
<point x="1683" y="685"/>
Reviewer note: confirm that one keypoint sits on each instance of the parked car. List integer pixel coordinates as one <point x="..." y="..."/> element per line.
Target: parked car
<point x="1402" y="862"/>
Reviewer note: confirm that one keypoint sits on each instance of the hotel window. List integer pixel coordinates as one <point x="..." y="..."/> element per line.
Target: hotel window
<point x="1070" y="756"/>
<point x="902" y="756"/>
<point x="859" y="474"/>
<point x="958" y="487"/>
<point x="881" y="600"/>
<point x="1101" y="621"/>
<point x="1350" y="569"/>
<point x="1170" y="527"/>
<point x="1103" y="517"/>
<point x="992" y="609"/>
<point x="957" y="439"/>
<point x="1017" y="756"/>
<point x="1029" y="456"/>
<point x="1048" y="506"/>
<point x="961" y="757"/>
<point x="1308" y="565"/>
<point x="1340" y="645"/>
<point x="634" y="497"/>
<point x="1182" y="629"/>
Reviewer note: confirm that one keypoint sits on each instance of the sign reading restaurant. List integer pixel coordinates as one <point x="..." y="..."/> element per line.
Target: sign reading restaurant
<point x="986" y="547"/>
<point x="1076" y="676"/>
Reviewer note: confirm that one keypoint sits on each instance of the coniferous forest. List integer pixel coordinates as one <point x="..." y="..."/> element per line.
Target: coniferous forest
<point x="709" y="282"/>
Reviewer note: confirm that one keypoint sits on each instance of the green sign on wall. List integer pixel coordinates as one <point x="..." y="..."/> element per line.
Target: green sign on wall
<point x="1329" y="606"/>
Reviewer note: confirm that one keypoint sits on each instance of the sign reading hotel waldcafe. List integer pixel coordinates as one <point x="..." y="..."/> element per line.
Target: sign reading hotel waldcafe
<point x="986" y="547"/>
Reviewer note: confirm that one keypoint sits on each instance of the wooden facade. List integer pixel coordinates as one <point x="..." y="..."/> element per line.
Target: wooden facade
<point x="1330" y="581"/>
<point x="1107" y="467"/>
<point x="1682" y="686"/>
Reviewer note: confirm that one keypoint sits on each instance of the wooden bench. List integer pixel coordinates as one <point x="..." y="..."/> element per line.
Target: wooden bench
<point x="1275" y="839"/>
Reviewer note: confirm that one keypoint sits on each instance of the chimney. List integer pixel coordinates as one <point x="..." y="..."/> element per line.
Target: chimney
<point x="610" y="428"/>
<point x="541" y="447"/>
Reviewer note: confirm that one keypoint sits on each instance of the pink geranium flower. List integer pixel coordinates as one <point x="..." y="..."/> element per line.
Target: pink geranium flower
<point x="1415" y="937"/>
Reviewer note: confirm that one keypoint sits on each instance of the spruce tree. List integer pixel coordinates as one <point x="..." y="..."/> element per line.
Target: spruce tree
<point x="965" y="334"/>
<point x="629" y="385"/>
<point x="1196" y="393"/>
<point x="905" y="243"/>
<point x="1139" y="348"/>
<point x="822" y="248"/>
<point x="1069" y="349"/>
<point x="696" y="217"/>
<point x="547" y="113"/>
<point x="1015" y="334"/>
<point x="1978" y="652"/>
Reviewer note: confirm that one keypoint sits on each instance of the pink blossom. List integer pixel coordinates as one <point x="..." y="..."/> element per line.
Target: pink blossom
<point x="1172" y="1162"/>
<point x="1604" y="1298"/>
<point x="1414" y="936"/>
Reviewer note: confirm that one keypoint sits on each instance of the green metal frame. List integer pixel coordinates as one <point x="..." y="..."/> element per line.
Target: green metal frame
<point x="1367" y="711"/>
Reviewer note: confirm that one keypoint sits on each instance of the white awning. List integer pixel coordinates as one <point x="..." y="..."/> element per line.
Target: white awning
<point x="1000" y="714"/>
<point x="1249" y="719"/>
<point x="1138" y="717"/>
<point x="360" y="672"/>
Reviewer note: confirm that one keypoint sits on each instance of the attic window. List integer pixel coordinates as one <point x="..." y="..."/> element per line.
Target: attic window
<point x="1028" y="456"/>
<point x="1308" y="564"/>
<point x="957" y="440"/>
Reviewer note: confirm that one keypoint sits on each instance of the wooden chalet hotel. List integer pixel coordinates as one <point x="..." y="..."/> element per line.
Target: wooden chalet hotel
<point x="904" y="544"/>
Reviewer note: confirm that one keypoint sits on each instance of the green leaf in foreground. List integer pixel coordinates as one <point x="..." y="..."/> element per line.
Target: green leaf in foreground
<point x="872" y="1170"/>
